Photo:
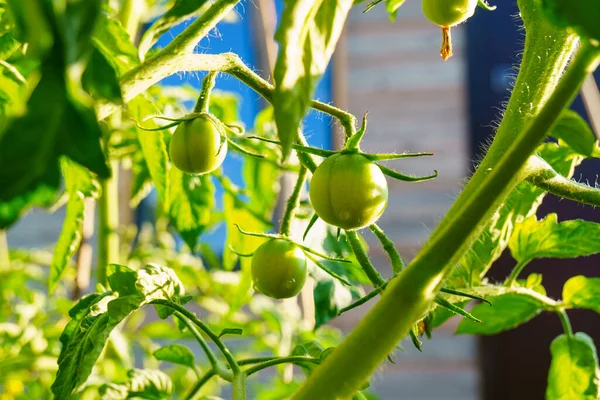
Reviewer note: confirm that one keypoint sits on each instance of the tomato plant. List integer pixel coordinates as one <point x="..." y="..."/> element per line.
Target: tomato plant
<point x="81" y="101"/>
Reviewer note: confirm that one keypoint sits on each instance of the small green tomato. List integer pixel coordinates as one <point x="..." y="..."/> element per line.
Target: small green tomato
<point x="197" y="147"/>
<point x="348" y="191"/>
<point x="279" y="269"/>
<point x="447" y="13"/>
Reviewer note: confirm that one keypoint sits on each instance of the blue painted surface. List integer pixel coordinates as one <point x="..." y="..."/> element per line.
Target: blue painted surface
<point x="239" y="37"/>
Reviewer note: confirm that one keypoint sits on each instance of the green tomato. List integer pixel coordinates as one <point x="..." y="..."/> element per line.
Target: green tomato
<point x="279" y="269"/>
<point x="196" y="146"/>
<point x="449" y="12"/>
<point x="348" y="191"/>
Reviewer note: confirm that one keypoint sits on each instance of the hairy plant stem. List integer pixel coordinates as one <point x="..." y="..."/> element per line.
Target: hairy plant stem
<point x="390" y="248"/>
<point x="363" y="260"/>
<point x="512" y="278"/>
<point x="208" y="83"/>
<point x="292" y="203"/>
<point x="193" y="394"/>
<point x="409" y="296"/>
<point x="280" y="360"/>
<point x="108" y="230"/>
<point x="564" y="320"/>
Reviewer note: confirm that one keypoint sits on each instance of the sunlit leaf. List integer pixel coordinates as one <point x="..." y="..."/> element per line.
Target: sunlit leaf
<point x="142" y="384"/>
<point x="547" y="238"/>
<point x="308" y="33"/>
<point x="176" y="354"/>
<point x="575" y="132"/>
<point x="582" y="292"/>
<point x="574" y="372"/>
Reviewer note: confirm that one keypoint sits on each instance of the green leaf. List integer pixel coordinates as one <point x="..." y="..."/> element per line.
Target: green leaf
<point x="100" y="78"/>
<point x="574" y="372"/>
<point x="181" y="11"/>
<point x="520" y="204"/>
<point x="330" y="297"/>
<point x="548" y="238"/>
<point x="142" y="384"/>
<point x="574" y="131"/>
<point x="176" y="354"/>
<point x="114" y="42"/>
<point x="582" y="292"/>
<point x="307" y="36"/>
<point x="79" y="183"/>
<point x="580" y="16"/>
<point x="507" y="311"/>
<point x="32" y="25"/>
<point x="153" y="147"/>
<point x="30" y="150"/>
<point x="308" y="349"/>
<point x="392" y="7"/>
<point x="95" y="316"/>
<point x="192" y="200"/>
<point x="484" y="4"/>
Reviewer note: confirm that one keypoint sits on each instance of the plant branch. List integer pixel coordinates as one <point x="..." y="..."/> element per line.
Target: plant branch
<point x="410" y="295"/>
<point x="196" y="388"/>
<point x="390" y="248"/>
<point x="512" y="278"/>
<point x="545" y="177"/>
<point x="235" y="368"/>
<point x="564" y="320"/>
<point x="207" y="350"/>
<point x="208" y="83"/>
<point x="292" y="203"/>
<point x="363" y="260"/>
<point x="108" y="230"/>
<point x="280" y="360"/>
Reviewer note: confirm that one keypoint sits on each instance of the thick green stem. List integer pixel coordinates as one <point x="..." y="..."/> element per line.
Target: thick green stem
<point x="409" y="296"/>
<point x="363" y="259"/>
<point x="390" y="248"/>
<point x="4" y="255"/>
<point x="239" y="386"/>
<point x="208" y="83"/>
<point x="108" y="230"/>
<point x="292" y="203"/>
<point x="564" y="320"/>
<point x="130" y="14"/>
<point x="207" y="350"/>
<point x="512" y="278"/>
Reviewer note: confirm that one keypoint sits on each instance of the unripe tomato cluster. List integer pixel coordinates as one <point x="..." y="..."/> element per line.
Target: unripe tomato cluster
<point x="198" y="146"/>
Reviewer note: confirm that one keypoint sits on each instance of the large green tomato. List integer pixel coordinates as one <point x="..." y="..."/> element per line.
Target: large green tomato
<point x="279" y="269"/>
<point x="349" y="191"/>
<point x="196" y="146"/>
<point x="449" y="12"/>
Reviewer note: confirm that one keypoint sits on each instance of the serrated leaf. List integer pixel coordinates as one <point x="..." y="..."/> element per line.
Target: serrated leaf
<point x="521" y="203"/>
<point x="114" y="42"/>
<point x="181" y="11"/>
<point x="506" y="312"/>
<point x="94" y="318"/>
<point x="548" y="238"/>
<point x="574" y="372"/>
<point x="307" y="36"/>
<point x="100" y="78"/>
<point x="582" y="292"/>
<point x="176" y="354"/>
<point x="142" y="384"/>
<point x="192" y="201"/>
<point x="574" y="131"/>
<point x="153" y="147"/>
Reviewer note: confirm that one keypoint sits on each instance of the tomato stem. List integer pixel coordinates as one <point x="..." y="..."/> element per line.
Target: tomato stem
<point x="212" y="359"/>
<point x="281" y="360"/>
<point x="208" y="83"/>
<point x="196" y="388"/>
<point x="512" y="278"/>
<point x="363" y="260"/>
<point x="564" y="320"/>
<point x="293" y="202"/>
<point x="108" y="230"/>
<point x="390" y="248"/>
